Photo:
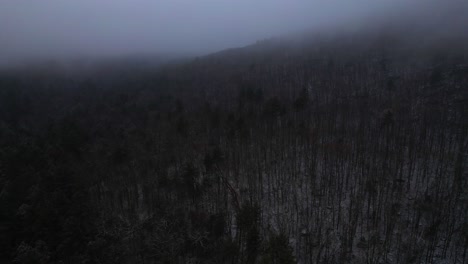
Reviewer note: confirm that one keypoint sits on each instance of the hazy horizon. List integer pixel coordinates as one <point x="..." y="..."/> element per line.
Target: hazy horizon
<point x="62" y="29"/>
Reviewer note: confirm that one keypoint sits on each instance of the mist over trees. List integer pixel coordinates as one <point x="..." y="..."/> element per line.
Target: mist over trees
<point x="334" y="146"/>
<point x="352" y="149"/>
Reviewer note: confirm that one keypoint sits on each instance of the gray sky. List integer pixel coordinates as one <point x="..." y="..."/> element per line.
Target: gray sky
<point x="46" y="28"/>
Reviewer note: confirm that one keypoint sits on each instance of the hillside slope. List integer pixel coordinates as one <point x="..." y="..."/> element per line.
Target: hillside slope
<point x="335" y="149"/>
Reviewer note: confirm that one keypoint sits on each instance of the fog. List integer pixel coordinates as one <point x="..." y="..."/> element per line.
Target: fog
<point x="57" y="28"/>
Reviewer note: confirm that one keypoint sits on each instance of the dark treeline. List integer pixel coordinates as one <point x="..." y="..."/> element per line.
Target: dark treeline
<point x="337" y="152"/>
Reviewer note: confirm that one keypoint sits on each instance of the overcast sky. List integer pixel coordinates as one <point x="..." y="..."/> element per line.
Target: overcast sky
<point x="43" y="28"/>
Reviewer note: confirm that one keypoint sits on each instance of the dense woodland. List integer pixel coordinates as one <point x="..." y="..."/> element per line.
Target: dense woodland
<point x="332" y="151"/>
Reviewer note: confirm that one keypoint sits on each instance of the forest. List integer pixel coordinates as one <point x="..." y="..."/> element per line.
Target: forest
<point x="339" y="150"/>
